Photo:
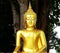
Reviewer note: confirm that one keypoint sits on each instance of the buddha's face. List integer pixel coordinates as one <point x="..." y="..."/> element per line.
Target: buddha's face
<point x="30" y="21"/>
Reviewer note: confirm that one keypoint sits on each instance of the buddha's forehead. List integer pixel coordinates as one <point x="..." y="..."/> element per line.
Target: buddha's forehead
<point x="30" y="16"/>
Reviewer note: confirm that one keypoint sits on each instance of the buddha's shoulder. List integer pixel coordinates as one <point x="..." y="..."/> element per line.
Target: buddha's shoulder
<point x="36" y="30"/>
<point x="39" y="30"/>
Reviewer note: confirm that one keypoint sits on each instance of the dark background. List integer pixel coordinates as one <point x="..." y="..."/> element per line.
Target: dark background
<point x="6" y="28"/>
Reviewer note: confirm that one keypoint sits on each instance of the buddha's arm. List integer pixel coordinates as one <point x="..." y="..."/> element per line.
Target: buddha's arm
<point x="17" y="42"/>
<point x="43" y="42"/>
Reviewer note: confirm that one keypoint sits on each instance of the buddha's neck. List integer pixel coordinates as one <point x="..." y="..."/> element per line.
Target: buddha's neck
<point x="30" y="28"/>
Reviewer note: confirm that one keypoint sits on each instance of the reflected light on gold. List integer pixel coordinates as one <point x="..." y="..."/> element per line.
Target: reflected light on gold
<point x="34" y="39"/>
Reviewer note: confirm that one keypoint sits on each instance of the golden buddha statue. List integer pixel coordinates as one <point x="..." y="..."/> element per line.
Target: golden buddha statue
<point x="34" y="39"/>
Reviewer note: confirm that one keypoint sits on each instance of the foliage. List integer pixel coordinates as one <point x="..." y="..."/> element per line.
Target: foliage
<point x="53" y="15"/>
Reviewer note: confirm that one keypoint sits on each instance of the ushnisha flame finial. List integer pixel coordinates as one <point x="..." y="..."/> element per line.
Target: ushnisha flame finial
<point x="30" y="5"/>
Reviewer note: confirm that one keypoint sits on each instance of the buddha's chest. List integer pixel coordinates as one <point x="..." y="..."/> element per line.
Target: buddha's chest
<point x="30" y="37"/>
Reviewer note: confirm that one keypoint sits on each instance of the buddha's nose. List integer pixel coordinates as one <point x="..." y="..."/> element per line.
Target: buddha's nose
<point x="30" y="21"/>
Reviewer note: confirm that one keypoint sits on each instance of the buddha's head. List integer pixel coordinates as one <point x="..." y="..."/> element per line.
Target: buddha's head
<point x="30" y="17"/>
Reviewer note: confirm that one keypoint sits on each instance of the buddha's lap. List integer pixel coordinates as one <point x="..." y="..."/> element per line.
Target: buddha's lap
<point x="32" y="52"/>
<point x="44" y="51"/>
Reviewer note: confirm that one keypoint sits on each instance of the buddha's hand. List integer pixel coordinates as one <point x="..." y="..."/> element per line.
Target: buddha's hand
<point x="14" y="52"/>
